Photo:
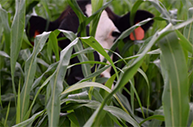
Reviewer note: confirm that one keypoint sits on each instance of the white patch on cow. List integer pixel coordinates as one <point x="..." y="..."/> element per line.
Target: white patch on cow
<point x="104" y="34"/>
<point x="34" y="12"/>
<point x="88" y="9"/>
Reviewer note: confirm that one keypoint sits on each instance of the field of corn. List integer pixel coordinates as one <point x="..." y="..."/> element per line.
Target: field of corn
<point x="158" y="71"/>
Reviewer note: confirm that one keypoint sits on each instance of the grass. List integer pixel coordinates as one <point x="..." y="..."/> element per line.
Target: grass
<point x="158" y="72"/>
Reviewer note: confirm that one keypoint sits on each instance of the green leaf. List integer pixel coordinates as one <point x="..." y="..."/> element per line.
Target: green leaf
<point x="148" y="85"/>
<point x="84" y="85"/>
<point x="95" y="14"/>
<point x="30" y="69"/>
<point x="18" y="113"/>
<point x="74" y="5"/>
<point x="191" y="124"/>
<point x="175" y="96"/>
<point x="129" y="72"/>
<point x="109" y="84"/>
<point x="96" y="4"/>
<point x="188" y="30"/>
<point x="94" y="44"/>
<point x="131" y="93"/>
<point x="134" y="10"/>
<point x="82" y="25"/>
<point x="82" y="58"/>
<point x="157" y="122"/>
<point x="56" y="85"/>
<point x="86" y="50"/>
<point x="17" y="30"/>
<point x="37" y="81"/>
<point x="158" y="117"/>
<point x="161" y="8"/>
<point x="98" y="72"/>
<point x="73" y="119"/>
<point x="54" y="43"/>
<point x="30" y="6"/>
<point x="78" y="48"/>
<point x="117" y="112"/>
<point x="7" y="114"/>
<point x="4" y="54"/>
<point x="29" y="121"/>
<point x="137" y="96"/>
<point x="5" y="23"/>
<point x="124" y="78"/>
<point x="184" y="42"/>
<point x="190" y="120"/>
<point x="51" y="68"/>
<point x="47" y="10"/>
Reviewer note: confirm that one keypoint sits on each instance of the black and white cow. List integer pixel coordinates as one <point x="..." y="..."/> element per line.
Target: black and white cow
<point x="110" y="25"/>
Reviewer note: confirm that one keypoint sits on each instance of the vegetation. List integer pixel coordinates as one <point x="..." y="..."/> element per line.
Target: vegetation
<point x="158" y="72"/>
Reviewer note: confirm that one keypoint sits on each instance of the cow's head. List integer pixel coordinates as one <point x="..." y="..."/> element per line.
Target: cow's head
<point x="109" y="27"/>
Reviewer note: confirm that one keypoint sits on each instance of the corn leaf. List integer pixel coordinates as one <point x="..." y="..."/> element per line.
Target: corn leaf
<point x="29" y="121"/>
<point x="4" y="21"/>
<point x="17" y="30"/>
<point x="96" y="4"/>
<point x="188" y="30"/>
<point x="94" y="44"/>
<point x="30" y="69"/>
<point x="175" y="96"/>
<point x="78" y="48"/>
<point x="56" y="85"/>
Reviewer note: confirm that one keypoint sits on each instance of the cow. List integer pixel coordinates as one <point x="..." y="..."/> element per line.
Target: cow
<point x="110" y="26"/>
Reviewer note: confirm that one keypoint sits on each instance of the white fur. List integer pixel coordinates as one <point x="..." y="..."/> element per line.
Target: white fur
<point x="103" y="34"/>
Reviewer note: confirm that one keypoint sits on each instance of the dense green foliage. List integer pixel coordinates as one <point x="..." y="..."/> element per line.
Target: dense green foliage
<point x="158" y="72"/>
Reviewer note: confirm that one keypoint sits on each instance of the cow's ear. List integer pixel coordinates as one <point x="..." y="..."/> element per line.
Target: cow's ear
<point x="140" y="31"/>
<point x="142" y="15"/>
<point x="124" y="22"/>
<point x="35" y="26"/>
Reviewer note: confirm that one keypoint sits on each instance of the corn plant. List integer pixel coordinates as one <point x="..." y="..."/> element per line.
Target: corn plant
<point x="156" y="78"/>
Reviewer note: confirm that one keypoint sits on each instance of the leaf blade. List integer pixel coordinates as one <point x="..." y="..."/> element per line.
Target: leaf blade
<point x="30" y="69"/>
<point x="53" y="105"/>
<point x="175" y="95"/>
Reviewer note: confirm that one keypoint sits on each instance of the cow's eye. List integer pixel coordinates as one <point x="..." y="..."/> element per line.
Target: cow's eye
<point x="115" y="34"/>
